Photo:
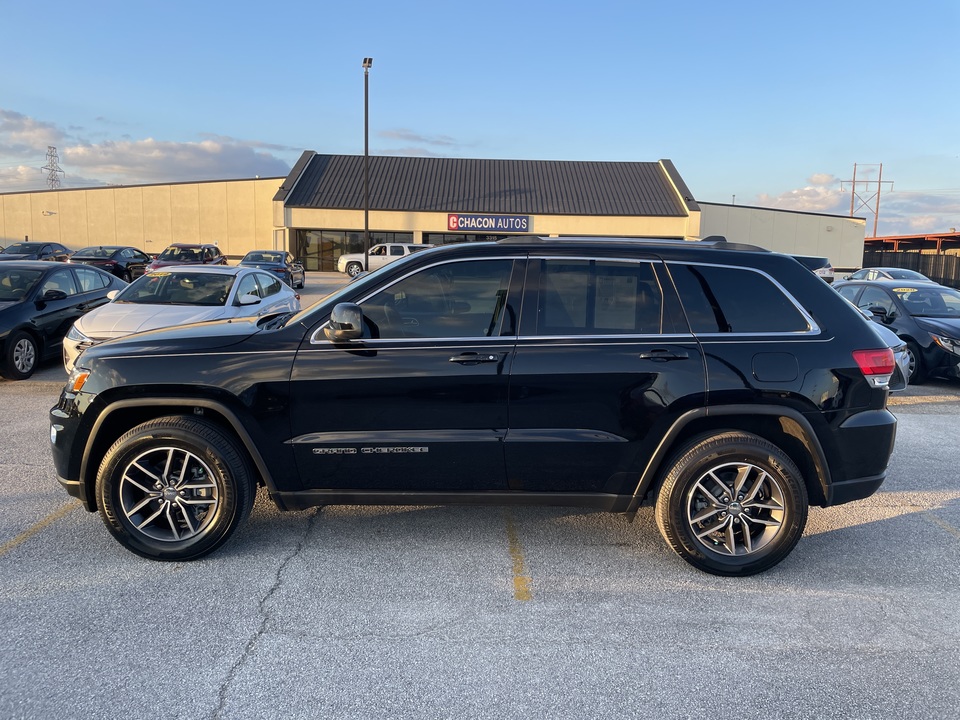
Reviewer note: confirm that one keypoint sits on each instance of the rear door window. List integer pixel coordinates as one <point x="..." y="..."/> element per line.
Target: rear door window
<point x="722" y="299"/>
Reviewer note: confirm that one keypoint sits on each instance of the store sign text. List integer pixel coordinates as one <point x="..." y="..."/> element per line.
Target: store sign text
<point x="496" y="223"/>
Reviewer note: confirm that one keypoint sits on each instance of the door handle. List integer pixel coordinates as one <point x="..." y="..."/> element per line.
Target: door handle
<point x="473" y="358"/>
<point x="664" y="355"/>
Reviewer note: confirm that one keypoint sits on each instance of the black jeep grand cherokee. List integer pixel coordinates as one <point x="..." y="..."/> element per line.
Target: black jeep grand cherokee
<point x="726" y="385"/>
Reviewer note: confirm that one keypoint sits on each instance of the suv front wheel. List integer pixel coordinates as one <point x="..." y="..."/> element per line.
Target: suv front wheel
<point x="174" y="488"/>
<point x="732" y="504"/>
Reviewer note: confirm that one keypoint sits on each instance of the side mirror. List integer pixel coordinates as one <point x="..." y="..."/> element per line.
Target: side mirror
<point x="346" y="323"/>
<point x="112" y="294"/>
<point x="248" y="299"/>
<point x="54" y="295"/>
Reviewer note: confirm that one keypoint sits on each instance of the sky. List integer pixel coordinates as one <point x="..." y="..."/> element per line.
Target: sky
<point x="756" y="103"/>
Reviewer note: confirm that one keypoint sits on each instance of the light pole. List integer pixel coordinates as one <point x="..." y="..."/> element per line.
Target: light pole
<point x="367" y="64"/>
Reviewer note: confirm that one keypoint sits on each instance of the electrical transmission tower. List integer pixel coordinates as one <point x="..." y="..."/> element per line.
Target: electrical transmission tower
<point x="53" y="167"/>
<point x="865" y="199"/>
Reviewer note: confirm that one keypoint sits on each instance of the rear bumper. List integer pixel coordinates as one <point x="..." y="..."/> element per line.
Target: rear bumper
<point x="866" y="441"/>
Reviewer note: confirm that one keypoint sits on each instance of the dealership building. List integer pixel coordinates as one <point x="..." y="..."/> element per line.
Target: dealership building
<point x="322" y="207"/>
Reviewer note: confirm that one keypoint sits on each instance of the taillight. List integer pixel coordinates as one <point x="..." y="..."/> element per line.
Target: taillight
<point x="877" y="366"/>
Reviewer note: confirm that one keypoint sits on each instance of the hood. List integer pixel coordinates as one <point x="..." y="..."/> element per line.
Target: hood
<point x="117" y="319"/>
<point x="265" y="266"/>
<point x="178" y="339"/>
<point x="941" y="326"/>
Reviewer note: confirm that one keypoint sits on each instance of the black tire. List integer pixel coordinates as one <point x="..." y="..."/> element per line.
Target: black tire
<point x="732" y="504"/>
<point x="126" y="276"/>
<point x="354" y="269"/>
<point x="303" y="282"/>
<point x="918" y="373"/>
<point x="147" y="506"/>
<point x="21" y="356"/>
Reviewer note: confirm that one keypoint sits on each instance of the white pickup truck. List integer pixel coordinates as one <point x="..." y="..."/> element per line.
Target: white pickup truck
<point x="380" y="255"/>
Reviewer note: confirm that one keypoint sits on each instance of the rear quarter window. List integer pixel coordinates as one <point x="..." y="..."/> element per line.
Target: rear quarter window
<point x="720" y="299"/>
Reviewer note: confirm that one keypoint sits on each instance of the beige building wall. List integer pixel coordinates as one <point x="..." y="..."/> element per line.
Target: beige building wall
<point x="836" y="237"/>
<point x="237" y="215"/>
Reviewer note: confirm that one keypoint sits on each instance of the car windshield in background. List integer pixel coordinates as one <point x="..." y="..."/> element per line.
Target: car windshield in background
<point x="264" y="257"/>
<point x="15" y="284"/>
<point x="95" y="252"/>
<point x="178" y="254"/>
<point x="22" y="248"/>
<point x="905" y="275"/>
<point x="178" y="288"/>
<point x="932" y="302"/>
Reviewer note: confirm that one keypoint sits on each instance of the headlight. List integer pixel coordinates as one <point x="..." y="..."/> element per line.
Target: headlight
<point x="76" y="335"/>
<point x="949" y="344"/>
<point x="77" y="378"/>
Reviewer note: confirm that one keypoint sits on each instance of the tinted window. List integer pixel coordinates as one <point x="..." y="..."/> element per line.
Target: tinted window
<point x="590" y="297"/>
<point x="248" y="286"/>
<point x="269" y="284"/>
<point x="90" y="280"/>
<point x="849" y="291"/>
<point x="734" y="300"/>
<point x="460" y="299"/>
<point x="876" y="297"/>
<point x="60" y="280"/>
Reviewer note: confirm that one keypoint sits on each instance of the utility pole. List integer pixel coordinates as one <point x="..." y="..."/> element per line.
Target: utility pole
<point x="53" y="168"/>
<point x="866" y="198"/>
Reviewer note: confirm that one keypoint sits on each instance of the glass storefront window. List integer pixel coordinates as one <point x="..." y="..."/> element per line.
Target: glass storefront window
<point x="320" y="249"/>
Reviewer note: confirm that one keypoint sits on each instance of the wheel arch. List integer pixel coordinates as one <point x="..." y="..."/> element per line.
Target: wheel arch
<point x="122" y="415"/>
<point x="785" y="427"/>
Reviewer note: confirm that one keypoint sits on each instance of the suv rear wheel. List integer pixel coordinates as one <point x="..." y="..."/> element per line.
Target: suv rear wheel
<point x="174" y="488"/>
<point x="732" y="504"/>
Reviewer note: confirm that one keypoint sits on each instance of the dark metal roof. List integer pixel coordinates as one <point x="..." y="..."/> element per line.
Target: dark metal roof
<point x="524" y="187"/>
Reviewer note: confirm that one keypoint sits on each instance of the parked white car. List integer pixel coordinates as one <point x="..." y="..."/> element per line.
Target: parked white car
<point x="178" y="296"/>
<point x="353" y="263"/>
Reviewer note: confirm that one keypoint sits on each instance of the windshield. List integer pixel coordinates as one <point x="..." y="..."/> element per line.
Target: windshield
<point x="932" y="302"/>
<point x="263" y="257"/>
<point x="181" y="254"/>
<point x="905" y="275"/>
<point x="98" y="251"/>
<point x="21" y="248"/>
<point x="178" y="288"/>
<point x="15" y="284"/>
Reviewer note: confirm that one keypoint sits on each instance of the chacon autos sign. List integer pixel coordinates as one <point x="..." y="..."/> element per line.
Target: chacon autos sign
<point x="494" y="223"/>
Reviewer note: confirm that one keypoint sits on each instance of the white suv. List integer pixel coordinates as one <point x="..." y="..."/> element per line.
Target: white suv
<point x="352" y="263"/>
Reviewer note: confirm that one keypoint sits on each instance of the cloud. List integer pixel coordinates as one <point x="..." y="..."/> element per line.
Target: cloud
<point x="128" y="161"/>
<point x="901" y="213"/>
<point x="411" y="136"/>
<point x="20" y="134"/>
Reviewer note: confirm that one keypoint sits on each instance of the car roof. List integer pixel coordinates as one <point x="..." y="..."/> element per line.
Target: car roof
<point x="202" y="269"/>
<point x="712" y="241"/>
<point x="192" y="245"/>
<point x="888" y="283"/>
<point x="33" y="264"/>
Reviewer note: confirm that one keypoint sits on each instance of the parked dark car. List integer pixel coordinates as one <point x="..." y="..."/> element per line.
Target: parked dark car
<point x="725" y="385"/>
<point x="888" y="273"/>
<point x="189" y="254"/>
<point x="278" y="262"/>
<point x="36" y="251"/>
<point x="38" y="303"/>
<point x="926" y="315"/>
<point x="127" y="263"/>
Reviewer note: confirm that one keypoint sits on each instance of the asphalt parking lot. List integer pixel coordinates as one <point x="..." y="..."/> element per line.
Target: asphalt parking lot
<point x="450" y="612"/>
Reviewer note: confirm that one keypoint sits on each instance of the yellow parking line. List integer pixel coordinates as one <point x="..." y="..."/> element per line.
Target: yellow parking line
<point x="522" y="584"/>
<point x="943" y="524"/>
<point x="34" y="529"/>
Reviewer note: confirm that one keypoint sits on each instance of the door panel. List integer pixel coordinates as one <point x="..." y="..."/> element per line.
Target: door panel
<point x="401" y="411"/>
<point x="603" y="363"/>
